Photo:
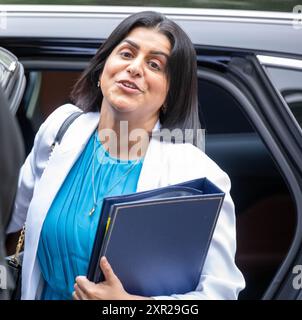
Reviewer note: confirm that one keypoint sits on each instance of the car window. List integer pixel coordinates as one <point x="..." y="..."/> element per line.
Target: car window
<point x="289" y="83"/>
<point x="219" y="111"/>
<point x="45" y="91"/>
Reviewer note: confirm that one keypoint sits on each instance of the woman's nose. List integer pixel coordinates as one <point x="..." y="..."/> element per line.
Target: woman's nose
<point x="135" y="68"/>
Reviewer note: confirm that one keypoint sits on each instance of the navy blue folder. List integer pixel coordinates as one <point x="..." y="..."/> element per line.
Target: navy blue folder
<point x="156" y="241"/>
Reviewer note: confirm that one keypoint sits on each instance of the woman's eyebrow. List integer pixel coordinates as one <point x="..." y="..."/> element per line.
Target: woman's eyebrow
<point x="137" y="47"/>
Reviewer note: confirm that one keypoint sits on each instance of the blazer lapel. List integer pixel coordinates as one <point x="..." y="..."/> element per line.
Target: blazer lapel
<point x="151" y="173"/>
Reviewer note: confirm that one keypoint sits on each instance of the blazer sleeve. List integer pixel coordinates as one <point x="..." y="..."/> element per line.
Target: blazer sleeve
<point x="35" y="164"/>
<point x="220" y="277"/>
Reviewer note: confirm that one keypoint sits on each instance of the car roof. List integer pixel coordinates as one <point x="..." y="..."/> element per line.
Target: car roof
<point x="276" y="32"/>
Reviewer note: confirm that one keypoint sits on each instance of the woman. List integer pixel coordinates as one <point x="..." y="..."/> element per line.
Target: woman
<point x="144" y="75"/>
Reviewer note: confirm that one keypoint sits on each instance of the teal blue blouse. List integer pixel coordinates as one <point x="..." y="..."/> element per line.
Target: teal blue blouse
<point x="68" y="231"/>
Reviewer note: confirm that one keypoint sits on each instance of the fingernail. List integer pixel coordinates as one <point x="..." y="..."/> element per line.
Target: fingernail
<point x="82" y="278"/>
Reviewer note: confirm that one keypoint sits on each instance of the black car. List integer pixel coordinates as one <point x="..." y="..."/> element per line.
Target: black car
<point x="250" y="97"/>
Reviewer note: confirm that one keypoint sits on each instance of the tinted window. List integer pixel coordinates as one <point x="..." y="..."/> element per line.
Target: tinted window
<point x="219" y="111"/>
<point x="289" y="83"/>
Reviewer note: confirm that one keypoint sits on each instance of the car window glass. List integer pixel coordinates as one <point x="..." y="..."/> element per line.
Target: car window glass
<point x="289" y="83"/>
<point x="219" y="111"/>
<point x="45" y="91"/>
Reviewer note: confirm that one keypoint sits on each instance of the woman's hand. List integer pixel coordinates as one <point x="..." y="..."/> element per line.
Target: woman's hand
<point x="110" y="289"/>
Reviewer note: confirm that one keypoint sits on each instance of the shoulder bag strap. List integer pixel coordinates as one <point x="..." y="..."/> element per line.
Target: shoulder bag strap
<point x="65" y="125"/>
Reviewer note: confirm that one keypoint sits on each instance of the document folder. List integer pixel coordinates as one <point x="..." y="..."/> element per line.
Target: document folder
<point x="156" y="241"/>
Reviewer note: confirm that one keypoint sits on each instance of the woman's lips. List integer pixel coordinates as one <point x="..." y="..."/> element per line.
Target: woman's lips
<point x="124" y="87"/>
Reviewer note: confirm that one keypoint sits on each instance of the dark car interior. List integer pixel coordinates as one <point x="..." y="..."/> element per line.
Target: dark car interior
<point x="264" y="208"/>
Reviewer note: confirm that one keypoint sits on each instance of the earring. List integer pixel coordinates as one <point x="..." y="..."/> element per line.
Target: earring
<point x="164" y="108"/>
<point x="98" y="84"/>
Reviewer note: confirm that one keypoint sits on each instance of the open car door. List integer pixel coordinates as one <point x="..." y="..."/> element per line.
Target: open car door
<point x="242" y="76"/>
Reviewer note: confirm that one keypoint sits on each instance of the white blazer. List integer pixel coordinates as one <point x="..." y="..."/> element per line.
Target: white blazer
<point x="164" y="164"/>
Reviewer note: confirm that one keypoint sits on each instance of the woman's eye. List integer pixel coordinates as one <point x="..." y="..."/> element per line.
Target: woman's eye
<point x="154" y="65"/>
<point x="126" y="54"/>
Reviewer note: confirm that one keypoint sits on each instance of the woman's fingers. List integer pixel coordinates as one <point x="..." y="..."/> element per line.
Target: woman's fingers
<point x="109" y="289"/>
<point x="75" y="296"/>
<point x="109" y="275"/>
<point x="84" y="288"/>
<point x="79" y="293"/>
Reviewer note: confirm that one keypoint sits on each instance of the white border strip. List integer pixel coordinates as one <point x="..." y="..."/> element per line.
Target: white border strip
<point x="280" y="62"/>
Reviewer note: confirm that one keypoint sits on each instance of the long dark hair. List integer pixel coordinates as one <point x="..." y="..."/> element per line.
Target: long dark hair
<point x="181" y="105"/>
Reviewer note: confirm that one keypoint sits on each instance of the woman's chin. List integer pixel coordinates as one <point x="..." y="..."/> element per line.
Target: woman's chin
<point x="123" y="108"/>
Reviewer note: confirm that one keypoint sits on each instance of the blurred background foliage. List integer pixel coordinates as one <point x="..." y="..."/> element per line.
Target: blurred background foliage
<point x="265" y="5"/>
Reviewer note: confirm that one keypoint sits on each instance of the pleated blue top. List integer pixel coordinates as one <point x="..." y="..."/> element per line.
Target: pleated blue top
<point x="68" y="231"/>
